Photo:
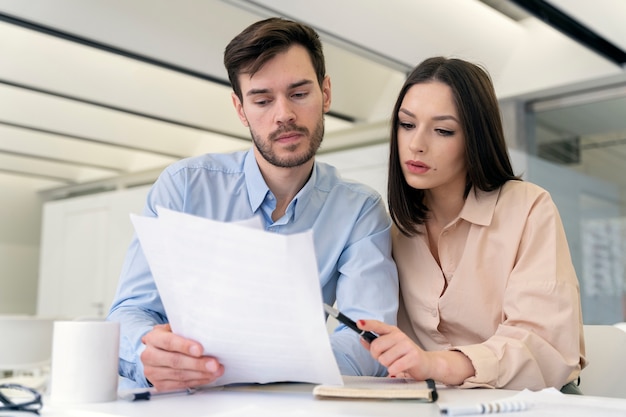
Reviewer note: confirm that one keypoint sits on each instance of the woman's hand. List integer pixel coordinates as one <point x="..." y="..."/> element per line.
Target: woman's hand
<point x="403" y="358"/>
<point x="173" y="362"/>
<point x="394" y="350"/>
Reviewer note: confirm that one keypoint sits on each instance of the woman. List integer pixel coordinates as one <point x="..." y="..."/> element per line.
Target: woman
<point x="489" y="296"/>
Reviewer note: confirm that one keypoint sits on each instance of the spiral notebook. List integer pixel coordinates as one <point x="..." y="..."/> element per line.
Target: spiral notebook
<point x="379" y="388"/>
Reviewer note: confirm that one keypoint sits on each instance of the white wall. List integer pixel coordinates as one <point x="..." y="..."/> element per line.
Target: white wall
<point x="20" y="219"/>
<point x="367" y="165"/>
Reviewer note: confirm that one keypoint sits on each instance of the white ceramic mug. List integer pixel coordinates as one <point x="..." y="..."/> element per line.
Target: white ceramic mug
<point x="84" y="361"/>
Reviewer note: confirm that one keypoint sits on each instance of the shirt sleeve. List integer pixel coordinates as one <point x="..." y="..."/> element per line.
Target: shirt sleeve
<point x="138" y="308"/>
<point x="532" y="348"/>
<point x="367" y="288"/>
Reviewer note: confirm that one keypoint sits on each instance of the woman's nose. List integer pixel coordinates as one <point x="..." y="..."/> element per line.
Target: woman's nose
<point x="417" y="143"/>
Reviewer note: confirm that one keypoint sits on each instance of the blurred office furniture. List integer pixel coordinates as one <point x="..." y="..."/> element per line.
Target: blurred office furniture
<point x="26" y="349"/>
<point x="621" y="325"/>
<point x="83" y="244"/>
<point x="606" y="351"/>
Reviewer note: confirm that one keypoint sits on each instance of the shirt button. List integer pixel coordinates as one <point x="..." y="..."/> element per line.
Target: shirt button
<point x="434" y="312"/>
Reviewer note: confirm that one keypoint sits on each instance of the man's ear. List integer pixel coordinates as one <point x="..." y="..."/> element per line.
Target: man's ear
<point x="326" y="93"/>
<point x="239" y="109"/>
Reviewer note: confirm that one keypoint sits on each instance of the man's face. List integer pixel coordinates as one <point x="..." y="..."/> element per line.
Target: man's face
<point x="283" y="106"/>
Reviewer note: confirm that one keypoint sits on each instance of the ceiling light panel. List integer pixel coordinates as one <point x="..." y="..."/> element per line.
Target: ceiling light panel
<point x="69" y="174"/>
<point x="48" y="63"/>
<point x="64" y="116"/>
<point x="41" y="145"/>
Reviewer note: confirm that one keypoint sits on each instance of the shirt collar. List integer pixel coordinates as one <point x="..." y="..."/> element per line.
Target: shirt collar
<point x="479" y="206"/>
<point x="258" y="189"/>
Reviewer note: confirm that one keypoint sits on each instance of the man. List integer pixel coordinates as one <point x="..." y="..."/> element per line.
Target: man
<point x="280" y="92"/>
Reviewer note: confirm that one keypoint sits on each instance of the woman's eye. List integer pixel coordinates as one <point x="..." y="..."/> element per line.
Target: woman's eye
<point x="444" y="132"/>
<point x="405" y="125"/>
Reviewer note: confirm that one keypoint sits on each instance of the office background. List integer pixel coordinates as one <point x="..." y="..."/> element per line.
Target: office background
<point x="96" y="97"/>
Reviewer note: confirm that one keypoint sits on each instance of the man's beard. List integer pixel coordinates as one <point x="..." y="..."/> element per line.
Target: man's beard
<point x="293" y="160"/>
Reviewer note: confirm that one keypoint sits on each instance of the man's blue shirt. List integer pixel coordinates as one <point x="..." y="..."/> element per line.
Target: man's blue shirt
<point x="351" y="232"/>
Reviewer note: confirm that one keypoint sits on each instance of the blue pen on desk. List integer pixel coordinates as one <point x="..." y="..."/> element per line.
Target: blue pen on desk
<point x="503" y="406"/>
<point x="137" y="395"/>
<point x="368" y="336"/>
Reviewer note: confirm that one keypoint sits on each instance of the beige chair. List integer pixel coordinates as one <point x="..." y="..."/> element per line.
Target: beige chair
<point x="621" y="325"/>
<point x="26" y="343"/>
<point x="606" y="352"/>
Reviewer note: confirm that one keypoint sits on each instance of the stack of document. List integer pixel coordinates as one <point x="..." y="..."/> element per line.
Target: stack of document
<point x="548" y="402"/>
<point x="252" y="298"/>
<point x="371" y="387"/>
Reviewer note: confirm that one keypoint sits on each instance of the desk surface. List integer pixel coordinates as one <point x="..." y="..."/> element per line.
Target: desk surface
<point x="279" y="400"/>
<point x="297" y="400"/>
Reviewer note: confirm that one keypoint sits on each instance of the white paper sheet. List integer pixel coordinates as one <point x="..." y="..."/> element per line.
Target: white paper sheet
<point x="252" y="298"/>
<point x="548" y="402"/>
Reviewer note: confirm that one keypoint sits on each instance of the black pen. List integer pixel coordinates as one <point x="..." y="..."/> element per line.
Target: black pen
<point x="368" y="336"/>
<point x="146" y="394"/>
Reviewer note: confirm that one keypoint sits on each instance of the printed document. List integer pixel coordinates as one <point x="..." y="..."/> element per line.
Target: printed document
<point x="252" y="298"/>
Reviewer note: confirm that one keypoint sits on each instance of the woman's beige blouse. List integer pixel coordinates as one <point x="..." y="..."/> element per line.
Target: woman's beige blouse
<point x="512" y="303"/>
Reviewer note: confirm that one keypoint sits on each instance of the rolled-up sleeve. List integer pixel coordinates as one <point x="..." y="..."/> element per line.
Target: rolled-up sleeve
<point x="532" y="348"/>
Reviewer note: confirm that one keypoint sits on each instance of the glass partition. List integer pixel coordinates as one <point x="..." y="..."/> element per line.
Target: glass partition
<point x="577" y="151"/>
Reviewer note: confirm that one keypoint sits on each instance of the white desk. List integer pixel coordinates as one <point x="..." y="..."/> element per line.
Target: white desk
<point x="281" y="400"/>
<point x="297" y="400"/>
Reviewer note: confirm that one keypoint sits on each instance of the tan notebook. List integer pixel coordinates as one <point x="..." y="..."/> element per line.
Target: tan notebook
<point x="379" y="388"/>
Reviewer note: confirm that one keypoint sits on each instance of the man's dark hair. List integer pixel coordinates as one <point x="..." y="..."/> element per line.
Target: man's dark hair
<point x="261" y="41"/>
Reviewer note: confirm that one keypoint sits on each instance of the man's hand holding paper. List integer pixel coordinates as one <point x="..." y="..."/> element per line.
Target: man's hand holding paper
<point x="172" y="362"/>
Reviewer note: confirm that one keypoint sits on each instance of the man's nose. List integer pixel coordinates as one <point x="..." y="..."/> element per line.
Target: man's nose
<point x="285" y="113"/>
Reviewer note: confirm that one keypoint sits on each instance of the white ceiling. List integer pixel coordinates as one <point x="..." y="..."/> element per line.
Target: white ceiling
<point x="103" y="89"/>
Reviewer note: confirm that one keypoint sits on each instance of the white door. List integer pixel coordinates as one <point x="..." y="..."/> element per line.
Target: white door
<point x="83" y="244"/>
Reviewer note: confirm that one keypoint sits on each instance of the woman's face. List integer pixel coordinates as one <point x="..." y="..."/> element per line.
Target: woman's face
<point x="431" y="143"/>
